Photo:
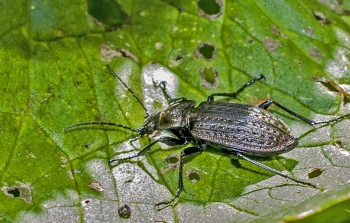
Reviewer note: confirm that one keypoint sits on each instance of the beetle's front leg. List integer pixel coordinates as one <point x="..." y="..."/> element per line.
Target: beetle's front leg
<point x="234" y="94"/>
<point x="170" y="100"/>
<point x="185" y="152"/>
<point x="171" y="141"/>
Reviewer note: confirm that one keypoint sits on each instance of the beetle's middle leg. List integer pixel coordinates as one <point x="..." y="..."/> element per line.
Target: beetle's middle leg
<point x="267" y="103"/>
<point x="185" y="152"/>
<point x="234" y="94"/>
<point x="241" y="156"/>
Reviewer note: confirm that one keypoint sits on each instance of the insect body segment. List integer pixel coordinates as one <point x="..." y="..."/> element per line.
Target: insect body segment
<point x="238" y="129"/>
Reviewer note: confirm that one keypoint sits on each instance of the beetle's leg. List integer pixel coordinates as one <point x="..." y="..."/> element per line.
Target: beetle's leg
<point x="136" y="138"/>
<point x="185" y="152"/>
<point x="241" y="156"/>
<point x="167" y="140"/>
<point x="267" y="103"/>
<point x="234" y="94"/>
<point x="162" y="86"/>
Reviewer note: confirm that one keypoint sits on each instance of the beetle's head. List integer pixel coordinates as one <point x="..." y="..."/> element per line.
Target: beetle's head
<point x="149" y="126"/>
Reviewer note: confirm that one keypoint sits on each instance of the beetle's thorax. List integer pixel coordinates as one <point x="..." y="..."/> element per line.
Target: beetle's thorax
<point x="176" y="116"/>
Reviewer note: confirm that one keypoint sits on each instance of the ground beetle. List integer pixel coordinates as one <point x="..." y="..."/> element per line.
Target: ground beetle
<point x="237" y="129"/>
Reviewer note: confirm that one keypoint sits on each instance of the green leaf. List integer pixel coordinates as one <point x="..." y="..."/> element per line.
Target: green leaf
<point x="53" y="75"/>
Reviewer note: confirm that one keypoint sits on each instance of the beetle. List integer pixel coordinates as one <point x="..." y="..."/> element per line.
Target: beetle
<point x="237" y="129"/>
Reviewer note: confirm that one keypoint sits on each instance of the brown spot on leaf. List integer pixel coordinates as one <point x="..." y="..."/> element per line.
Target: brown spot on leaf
<point x="275" y="30"/>
<point x="271" y="45"/>
<point x="309" y="31"/>
<point x="314" y="52"/>
<point x="108" y="53"/>
<point x="95" y="185"/>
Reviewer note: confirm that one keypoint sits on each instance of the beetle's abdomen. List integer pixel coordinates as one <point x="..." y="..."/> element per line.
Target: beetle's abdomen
<point x="242" y="128"/>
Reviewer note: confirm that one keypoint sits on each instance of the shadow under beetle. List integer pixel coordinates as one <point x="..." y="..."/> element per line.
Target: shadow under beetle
<point x="237" y="129"/>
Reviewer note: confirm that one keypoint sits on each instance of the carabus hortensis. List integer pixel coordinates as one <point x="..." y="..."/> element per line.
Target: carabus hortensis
<point x="238" y="129"/>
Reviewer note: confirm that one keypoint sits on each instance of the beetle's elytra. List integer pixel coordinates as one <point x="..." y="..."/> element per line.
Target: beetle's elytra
<point x="241" y="128"/>
<point x="238" y="129"/>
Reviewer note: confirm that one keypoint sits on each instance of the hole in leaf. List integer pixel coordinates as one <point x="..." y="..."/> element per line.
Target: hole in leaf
<point x="107" y="13"/>
<point x="173" y="162"/>
<point x="179" y="58"/>
<point x="338" y="143"/>
<point x="22" y="191"/>
<point x="315" y="173"/>
<point x="176" y="58"/>
<point x="86" y="202"/>
<point x="172" y="159"/>
<point x="321" y="18"/>
<point x="124" y="211"/>
<point x="210" y="8"/>
<point x="206" y="51"/>
<point x="193" y="175"/>
<point x="209" y="77"/>
<point x="14" y="192"/>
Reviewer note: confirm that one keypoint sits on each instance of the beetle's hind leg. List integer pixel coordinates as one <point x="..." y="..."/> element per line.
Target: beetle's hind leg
<point x="241" y="156"/>
<point x="235" y="94"/>
<point x="267" y="104"/>
<point x="185" y="152"/>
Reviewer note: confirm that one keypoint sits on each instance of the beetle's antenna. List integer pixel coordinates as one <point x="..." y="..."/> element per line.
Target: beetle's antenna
<point x="102" y="123"/>
<point x="128" y="88"/>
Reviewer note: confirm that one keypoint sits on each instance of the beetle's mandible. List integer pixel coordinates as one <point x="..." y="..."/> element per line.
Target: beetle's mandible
<point x="238" y="129"/>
